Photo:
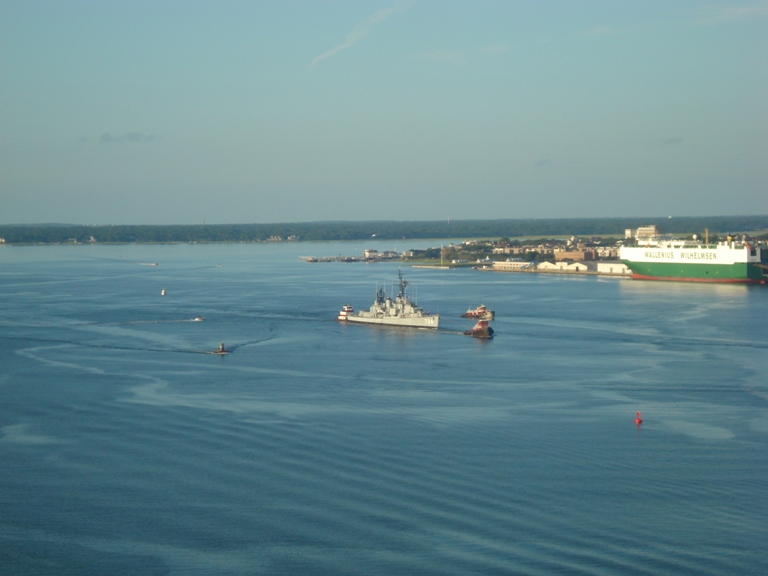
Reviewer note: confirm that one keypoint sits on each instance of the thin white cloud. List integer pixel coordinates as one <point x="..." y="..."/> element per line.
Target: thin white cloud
<point x="712" y="16"/>
<point x="363" y="29"/>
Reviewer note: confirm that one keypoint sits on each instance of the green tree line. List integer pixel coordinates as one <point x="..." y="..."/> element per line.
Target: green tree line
<point x="384" y="230"/>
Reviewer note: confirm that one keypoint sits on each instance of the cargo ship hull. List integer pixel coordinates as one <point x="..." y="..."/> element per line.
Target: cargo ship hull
<point x="723" y="263"/>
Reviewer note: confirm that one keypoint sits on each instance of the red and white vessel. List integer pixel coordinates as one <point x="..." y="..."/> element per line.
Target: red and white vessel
<point x="346" y="310"/>
<point x="480" y="330"/>
<point x="481" y="313"/>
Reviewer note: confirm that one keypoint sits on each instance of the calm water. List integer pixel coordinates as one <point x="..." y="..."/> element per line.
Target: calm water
<point x="320" y="448"/>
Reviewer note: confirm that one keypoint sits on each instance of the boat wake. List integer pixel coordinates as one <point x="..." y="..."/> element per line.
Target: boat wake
<point x="135" y="322"/>
<point x="136" y="348"/>
<point x="449" y="331"/>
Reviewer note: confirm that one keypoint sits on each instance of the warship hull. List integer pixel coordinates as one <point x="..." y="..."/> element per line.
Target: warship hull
<point x="430" y="321"/>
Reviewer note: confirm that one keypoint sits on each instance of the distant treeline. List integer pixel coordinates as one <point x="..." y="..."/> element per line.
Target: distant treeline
<point x="383" y="230"/>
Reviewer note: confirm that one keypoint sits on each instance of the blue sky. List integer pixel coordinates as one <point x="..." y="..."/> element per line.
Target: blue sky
<point x="171" y="112"/>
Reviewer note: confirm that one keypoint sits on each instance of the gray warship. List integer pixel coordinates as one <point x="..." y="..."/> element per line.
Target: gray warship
<point x="398" y="312"/>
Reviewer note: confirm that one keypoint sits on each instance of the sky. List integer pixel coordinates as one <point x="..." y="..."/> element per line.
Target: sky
<point x="190" y="112"/>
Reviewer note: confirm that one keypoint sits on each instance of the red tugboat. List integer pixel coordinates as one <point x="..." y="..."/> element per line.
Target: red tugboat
<point x="480" y="330"/>
<point x="221" y="351"/>
<point x="481" y="313"/>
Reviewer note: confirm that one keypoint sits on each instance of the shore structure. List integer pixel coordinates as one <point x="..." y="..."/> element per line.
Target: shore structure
<point x="385" y="311"/>
<point x="729" y="261"/>
<point x="600" y="268"/>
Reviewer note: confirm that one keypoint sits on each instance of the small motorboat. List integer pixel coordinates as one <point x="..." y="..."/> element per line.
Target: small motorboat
<point x="198" y="319"/>
<point x="480" y="330"/>
<point x="221" y="351"/>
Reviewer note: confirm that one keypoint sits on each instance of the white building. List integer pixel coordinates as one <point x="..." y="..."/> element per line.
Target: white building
<point x="646" y="232"/>
<point x="514" y="265"/>
<point x="613" y="267"/>
<point x="577" y="267"/>
<point x="561" y="265"/>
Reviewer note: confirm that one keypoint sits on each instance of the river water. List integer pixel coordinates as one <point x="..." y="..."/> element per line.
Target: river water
<point x="322" y="448"/>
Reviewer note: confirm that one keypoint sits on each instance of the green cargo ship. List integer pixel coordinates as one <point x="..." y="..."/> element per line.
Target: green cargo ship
<point x="731" y="261"/>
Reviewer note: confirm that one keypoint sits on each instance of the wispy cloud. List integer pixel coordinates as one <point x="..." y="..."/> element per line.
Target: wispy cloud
<point x="108" y="138"/>
<point x="363" y="29"/>
<point x="719" y="15"/>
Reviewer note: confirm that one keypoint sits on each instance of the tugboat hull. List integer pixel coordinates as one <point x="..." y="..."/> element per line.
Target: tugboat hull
<point x="480" y="330"/>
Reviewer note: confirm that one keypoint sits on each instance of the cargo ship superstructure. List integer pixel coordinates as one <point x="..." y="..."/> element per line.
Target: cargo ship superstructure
<point x="398" y="312"/>
<point x="729" y="261"/>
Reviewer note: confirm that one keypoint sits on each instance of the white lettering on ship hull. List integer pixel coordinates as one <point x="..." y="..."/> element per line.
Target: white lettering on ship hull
<point x="658" y="254"/>
<point x="683" y="255"/>
<point x="696" y="255"/>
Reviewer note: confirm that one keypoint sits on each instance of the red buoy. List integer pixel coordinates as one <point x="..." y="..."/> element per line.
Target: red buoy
<point x="638" y="419"/>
